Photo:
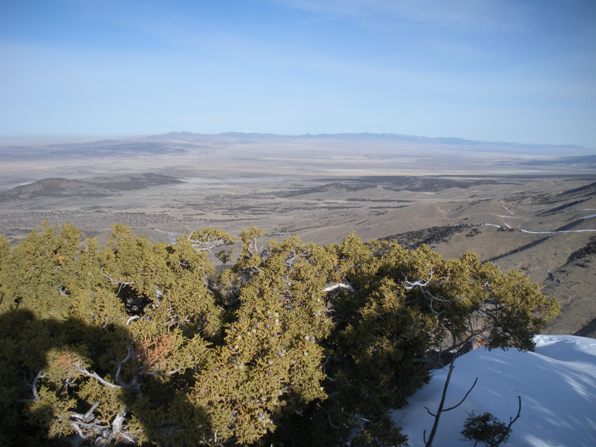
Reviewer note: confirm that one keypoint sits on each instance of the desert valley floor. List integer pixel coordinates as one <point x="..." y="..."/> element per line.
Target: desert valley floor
<point x="518" y="212"/>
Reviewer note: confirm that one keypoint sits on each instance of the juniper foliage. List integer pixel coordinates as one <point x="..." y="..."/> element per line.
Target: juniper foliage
<point x="137" y="342"/>
<point x="485" y="428"/>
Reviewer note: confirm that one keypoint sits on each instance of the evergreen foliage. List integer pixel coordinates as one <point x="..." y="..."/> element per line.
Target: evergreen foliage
<point x="136" y="342"/>
<point x="485" y="428"/>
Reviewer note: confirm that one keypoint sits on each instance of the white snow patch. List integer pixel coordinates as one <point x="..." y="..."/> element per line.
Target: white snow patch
<point x="557" y="384"/>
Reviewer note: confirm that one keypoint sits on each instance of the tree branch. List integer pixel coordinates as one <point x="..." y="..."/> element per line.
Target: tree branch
<point x="441" y="409"/>
<point x="38" y="376"/>
<point x="511" y="422"/>
<point x="419" y="283"/>
<point x="117" y="429"/>
<point x="118" y="283"/>
<point x="131" y="319"/>
<point x="90" y="428"/>
<point x="338" y="285"/>
<point x="430" y="412"/>
<point x="97" y="377"/>
<point x="87" y="417"/>
<point x="121" y="363"/>
<point x="453" y="407"/>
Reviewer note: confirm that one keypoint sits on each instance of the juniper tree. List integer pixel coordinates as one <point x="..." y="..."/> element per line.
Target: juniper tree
<point x="143" y="342"/>
<point x="402" y="305"/>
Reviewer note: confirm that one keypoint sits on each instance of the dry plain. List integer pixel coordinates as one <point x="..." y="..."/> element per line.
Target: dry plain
<point x="525" y="207"/>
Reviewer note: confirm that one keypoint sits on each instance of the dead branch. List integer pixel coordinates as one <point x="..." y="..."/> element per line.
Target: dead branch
<point x="88" y="416"/>
<point x="131" y="319"/>
<point x="121" y="284"/>
<point x="338" y="285"/>
<point x="254" y="248"/>
<point x="88" y="428"/>
<point x="442" y="409"/>
<point x="121" y="363"/>
<point x="79" y="432"/>
<point x="453" y="407"/>
<point x="512" y="420"/>
<point x="207" y="243"/>
<point x="38" y="376"/>
<point x="117" y="430"/>
<point x="96" y="376"/>
<point x="419" y="283"/>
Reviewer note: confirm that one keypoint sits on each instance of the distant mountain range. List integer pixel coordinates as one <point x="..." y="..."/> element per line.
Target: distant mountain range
<point x="364" y="137"/>
<point x="363" y="143"/>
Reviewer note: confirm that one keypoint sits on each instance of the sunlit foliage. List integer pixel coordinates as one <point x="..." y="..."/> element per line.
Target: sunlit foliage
<point x="291" y="343"/>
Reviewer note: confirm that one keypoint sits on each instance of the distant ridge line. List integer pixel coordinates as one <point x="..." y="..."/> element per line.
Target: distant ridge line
<point x="360" y="136"/>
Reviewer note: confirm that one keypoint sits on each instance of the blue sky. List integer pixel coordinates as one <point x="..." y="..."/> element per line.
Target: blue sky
<point x="507" y="70"/>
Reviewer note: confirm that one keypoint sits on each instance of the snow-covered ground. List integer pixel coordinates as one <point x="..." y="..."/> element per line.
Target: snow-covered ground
<point x="557" y="385"/>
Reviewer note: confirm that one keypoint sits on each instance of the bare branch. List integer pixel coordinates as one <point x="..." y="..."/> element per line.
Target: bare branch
<point x="78" y="430"/>
<point x="121" y="363"/>
<point x="291" y="259"/>
<point x="117" y="423"/>
<point x="419" y="283"/>
<point x="254" y="248"/>
<point x="92" y="409"/>
<point x="88" y="416"/>
<point x="89" y="428"/>
<point x="453" y="407"/>
<point x="115" y="282"/>
<point x="512" y="421"/>
<point x="338" y="285"/>
<point x="131" y="319"/>
<point x="117" y="429"/>
<point x="158" y="295"/>
<point x="441" y="409"/>
<point x="96" y="376"/>
<point x="38" y="376"/>
<point x="430" y="412"/>
<point x="207" y="242"/>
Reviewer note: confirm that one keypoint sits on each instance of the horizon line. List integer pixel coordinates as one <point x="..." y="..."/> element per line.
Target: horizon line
<point x="73" y="137"/>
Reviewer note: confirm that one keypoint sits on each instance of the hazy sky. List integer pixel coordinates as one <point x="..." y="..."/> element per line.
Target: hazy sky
<point x="509" y="70"/>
